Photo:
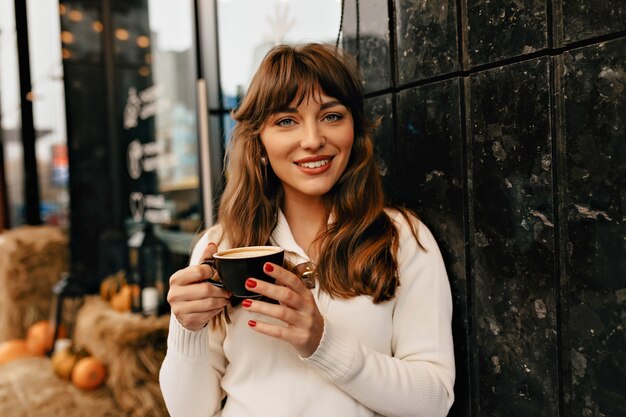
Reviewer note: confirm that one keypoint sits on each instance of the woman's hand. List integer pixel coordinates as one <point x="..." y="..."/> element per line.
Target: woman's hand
<point x="193" y="300"/>
<point x="296" y="308"/>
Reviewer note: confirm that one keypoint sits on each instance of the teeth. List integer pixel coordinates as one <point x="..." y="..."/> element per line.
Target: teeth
<point x="315" y="164"/>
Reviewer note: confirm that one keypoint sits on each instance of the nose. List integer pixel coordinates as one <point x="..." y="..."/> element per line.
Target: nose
<point x="313" y="137"/>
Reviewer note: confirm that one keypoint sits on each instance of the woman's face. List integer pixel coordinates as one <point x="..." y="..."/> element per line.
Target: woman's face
<point x="308" y="146"/>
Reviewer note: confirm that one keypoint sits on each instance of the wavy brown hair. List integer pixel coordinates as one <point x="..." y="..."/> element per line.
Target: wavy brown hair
<point x="357" y="250"/>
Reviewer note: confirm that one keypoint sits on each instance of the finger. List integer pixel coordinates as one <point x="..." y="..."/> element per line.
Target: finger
<point x="280" y="312"/>
<point x="192" y="274"/>
<point x="195" y="321"/>
<point x="195" y="291"/>
<point x="294" y="336"/>
<point x="208" y="252"/>
<point x="284" y="295"/>
<point x="305" y="339"/>
<point x="205" y="305"/>
<point x="285" y="277"/>
<point x="279" y="293"/>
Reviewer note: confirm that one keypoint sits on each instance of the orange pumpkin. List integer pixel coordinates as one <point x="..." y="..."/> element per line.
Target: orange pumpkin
<point x="11" y="350"/>
<point x="39" y="337"/>
<point x="123" y="300"/>
<point x="64" y="360"/>
<point x="111" y="285"/>
<point x="89" y="373"/>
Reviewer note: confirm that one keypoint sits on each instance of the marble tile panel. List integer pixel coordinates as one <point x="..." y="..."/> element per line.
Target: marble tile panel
<point x="497" y="30"/>
<point x="593" y="147"/>
<point x="381" y="108"/>
<point x="430" y="159"/>
<point x="373" y="49"/>
<point x="514" y="296"/>
<point x="584" y="19"/>
<point x="426" y="34"/>
<point x="429" y="156"/>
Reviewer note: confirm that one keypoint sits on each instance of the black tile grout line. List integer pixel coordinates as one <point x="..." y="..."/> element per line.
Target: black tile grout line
<point x="557" y="208"/>
<point x="555" y="36"/>
<point x="549" y="24"/>
<point x="392" y="20"/>
<point x="461" y="35"/>
<point x="393" y="41"/>
<point x="473" y="397"/>
<point x="468" y="221"/>
<point x="548" y="52"/>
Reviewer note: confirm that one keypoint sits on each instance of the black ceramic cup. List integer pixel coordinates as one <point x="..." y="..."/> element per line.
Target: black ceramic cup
<point x="236" y="265"/>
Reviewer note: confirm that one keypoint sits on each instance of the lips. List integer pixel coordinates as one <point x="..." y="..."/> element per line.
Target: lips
<point x="315" y="164"/>
<point x="318" y="163"/>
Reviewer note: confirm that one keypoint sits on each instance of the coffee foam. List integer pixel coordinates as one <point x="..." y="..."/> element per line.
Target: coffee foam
<point x="241" y="253"/>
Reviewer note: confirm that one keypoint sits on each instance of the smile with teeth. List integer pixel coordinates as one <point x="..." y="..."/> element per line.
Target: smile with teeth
<point x="315" y="164"/>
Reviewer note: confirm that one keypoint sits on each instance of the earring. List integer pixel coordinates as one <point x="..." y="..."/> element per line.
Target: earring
<point x="263" y="161"/>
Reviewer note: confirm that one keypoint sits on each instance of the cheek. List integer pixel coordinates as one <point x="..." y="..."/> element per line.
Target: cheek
<point x="268" y="144"/>
<point x="274" y="151"/>
<point x="348" y="142"/>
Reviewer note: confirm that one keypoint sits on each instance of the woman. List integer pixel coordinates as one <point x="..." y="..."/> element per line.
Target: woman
<point x="373" y="336"/>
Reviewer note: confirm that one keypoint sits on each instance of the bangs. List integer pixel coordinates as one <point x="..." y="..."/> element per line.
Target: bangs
<point x="289" y="74"/>
<point x="300" y="77"/>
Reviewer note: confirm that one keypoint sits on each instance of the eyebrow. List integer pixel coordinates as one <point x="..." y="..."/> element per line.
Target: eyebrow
<point x="324" y="106"/>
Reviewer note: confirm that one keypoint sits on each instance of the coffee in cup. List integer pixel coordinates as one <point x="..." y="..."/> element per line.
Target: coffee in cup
<point x="236" y="265"/>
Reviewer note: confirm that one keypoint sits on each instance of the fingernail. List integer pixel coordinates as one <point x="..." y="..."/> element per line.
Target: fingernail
<point x="269" y="267"/>
<point x="251" y="323"/>
<point x="246" y="303"/>
<point x="250" y="283"/>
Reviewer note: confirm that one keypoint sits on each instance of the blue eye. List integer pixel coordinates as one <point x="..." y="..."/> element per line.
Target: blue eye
<point x="285" y="122"/>
<point x="333" y="117"/>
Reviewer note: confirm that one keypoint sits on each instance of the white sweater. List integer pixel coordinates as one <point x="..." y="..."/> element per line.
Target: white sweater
<point x="389" y="359"/>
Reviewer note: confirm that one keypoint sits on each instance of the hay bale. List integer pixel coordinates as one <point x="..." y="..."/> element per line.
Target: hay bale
<point x="32" y="259"/>
<point x="29" y="388"/>
<point x="133" y="348"/>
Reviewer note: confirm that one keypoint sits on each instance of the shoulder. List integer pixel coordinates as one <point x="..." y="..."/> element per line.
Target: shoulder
<point x="213" y="234"/>
<point x="425" y="247"/>
<point x="421" y="268"/>
<point x="409" y="226"/>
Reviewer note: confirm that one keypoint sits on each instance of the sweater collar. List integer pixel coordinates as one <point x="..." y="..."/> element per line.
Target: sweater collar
<point x="282" y="236"/>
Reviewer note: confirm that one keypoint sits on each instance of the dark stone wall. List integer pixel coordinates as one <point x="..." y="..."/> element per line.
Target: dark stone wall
<point x="503" y="126"/>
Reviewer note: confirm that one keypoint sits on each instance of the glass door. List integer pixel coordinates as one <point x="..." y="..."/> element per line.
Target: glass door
<point x="156" y="68"/>
<point x="48" y="98"/>
<point x="10" y="117"/>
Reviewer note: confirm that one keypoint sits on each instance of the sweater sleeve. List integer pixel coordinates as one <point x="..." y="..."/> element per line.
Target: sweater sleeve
<point x="418" y="379"/>
<point x="194" y="364"/>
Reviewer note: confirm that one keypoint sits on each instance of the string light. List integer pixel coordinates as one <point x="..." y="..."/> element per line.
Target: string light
<point x="143" y="41"/>
<point x="75" y="16"/>
<point x="67" y="37"/>
<point x="121" y="34"/>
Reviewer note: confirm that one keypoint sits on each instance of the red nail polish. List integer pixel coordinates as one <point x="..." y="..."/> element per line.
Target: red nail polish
<point x="269" y="268"/>
<point x="251" y="323"/>
<point x="250" y="283"/>
<point x="246" y="303"/>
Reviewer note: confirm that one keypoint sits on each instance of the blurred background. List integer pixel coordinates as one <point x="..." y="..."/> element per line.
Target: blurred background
<point x="502" y="126"/>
